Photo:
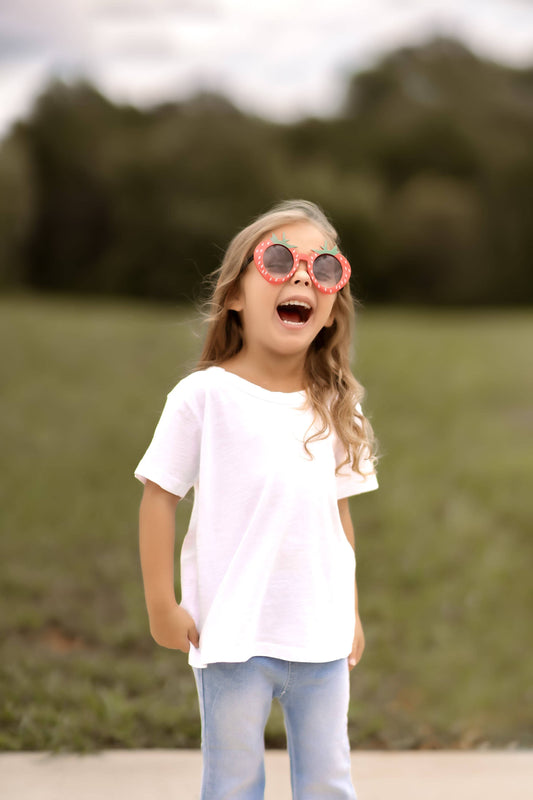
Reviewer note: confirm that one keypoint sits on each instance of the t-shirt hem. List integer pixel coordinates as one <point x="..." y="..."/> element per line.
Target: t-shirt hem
<point x="370" y="484"/>
<point x="282" y="652"/>
<point x="166" y="482"/>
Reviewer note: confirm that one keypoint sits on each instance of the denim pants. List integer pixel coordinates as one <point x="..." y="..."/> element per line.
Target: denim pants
<point x="235" y="701"/>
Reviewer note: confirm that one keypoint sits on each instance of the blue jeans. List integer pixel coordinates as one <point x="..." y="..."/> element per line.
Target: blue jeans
<point x="235" y="701"/>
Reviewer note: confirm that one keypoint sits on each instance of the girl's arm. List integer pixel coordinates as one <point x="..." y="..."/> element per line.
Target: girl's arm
<point x="359" y="637"/>
<point x="170" y="625"/>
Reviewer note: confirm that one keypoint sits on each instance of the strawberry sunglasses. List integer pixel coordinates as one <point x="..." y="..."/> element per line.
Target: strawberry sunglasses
<point x="277" y="261"/>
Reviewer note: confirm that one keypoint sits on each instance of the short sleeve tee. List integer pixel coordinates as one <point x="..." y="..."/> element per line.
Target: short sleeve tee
<point x="266" y="568"/>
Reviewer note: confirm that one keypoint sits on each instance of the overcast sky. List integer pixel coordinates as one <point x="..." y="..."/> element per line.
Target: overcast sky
<point x="279" y="58"/>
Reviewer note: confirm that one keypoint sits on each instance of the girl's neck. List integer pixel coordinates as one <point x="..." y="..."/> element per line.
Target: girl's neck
<point x="277" y="374"/>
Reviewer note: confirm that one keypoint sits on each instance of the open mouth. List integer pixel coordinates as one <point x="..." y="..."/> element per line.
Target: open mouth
<point x="294" y="312"/>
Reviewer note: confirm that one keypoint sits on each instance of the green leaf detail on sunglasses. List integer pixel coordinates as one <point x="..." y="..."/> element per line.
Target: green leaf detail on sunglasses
<point x="325" y="250"/>
<point x="282" y="241"/>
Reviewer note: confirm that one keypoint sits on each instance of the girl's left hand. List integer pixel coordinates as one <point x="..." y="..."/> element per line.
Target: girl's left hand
<point x="358" y="644"/>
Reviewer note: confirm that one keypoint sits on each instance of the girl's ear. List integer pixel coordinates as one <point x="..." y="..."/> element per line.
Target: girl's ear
<point x="234" y="299"/>
<point x="330" y="320"/>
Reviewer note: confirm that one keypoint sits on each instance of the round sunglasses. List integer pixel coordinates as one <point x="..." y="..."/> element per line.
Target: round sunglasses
<point x="277" y="261"/>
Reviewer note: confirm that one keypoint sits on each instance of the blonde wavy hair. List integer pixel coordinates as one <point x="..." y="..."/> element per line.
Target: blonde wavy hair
<point x="332" y="391"/>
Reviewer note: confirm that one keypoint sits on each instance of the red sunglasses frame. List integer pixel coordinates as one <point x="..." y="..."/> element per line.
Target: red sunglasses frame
<point x="259" y="252"/>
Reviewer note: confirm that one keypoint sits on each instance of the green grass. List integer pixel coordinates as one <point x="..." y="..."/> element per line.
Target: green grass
<point x="444" y="548"/>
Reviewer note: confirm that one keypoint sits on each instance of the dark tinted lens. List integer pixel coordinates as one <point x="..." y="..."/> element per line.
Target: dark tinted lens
<point x="327" y="270"/>
<point x="278" y="260"/>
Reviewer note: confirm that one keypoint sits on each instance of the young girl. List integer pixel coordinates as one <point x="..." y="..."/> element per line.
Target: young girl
<point x="270" y="434"/>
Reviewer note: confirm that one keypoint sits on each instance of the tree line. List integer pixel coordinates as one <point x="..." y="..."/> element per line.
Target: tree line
<point x="426" y="170"/>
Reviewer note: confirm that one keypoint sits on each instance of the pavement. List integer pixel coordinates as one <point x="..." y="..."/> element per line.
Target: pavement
<point x="176" y="775"/>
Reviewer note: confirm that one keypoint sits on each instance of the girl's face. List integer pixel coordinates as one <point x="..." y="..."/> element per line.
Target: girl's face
<point x="284" y="318"/>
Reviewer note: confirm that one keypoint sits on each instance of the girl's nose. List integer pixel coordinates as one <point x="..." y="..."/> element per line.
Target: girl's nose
<point x="301" y="276"/>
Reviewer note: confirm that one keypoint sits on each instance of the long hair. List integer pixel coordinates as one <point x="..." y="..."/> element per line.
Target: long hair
<point x="332" y="391"/>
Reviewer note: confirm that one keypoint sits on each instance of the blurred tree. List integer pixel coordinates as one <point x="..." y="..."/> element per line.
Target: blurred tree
<point x="15" y="213"/>
<point x="426" y="171"/>
<point x="136" y="203"/>
<point x="178" y="191"/>
<point x="64" y="138"/>
<point x="435" y="242"/>
<point x="507" y="198"/>
<point x="435" y="112"/>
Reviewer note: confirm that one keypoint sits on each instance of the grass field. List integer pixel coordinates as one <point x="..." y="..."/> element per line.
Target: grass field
<point x="444" y="548"/>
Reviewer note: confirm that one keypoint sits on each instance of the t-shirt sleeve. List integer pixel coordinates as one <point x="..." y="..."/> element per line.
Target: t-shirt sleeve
<point x="350" y="482"/>
<point x="172" y="458"/>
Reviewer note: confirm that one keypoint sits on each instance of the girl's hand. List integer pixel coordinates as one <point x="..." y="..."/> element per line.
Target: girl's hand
<point x="174" y="628"/>
<point x="358" y="644"/>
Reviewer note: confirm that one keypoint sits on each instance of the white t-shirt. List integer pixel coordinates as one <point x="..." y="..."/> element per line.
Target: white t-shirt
<point x="266" y="568"/>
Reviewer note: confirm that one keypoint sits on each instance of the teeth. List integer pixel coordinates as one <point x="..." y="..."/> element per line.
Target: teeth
<point x="296" y="303"/>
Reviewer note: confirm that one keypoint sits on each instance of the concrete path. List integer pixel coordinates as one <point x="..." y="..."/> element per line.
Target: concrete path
<point x="175" y="775"/>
